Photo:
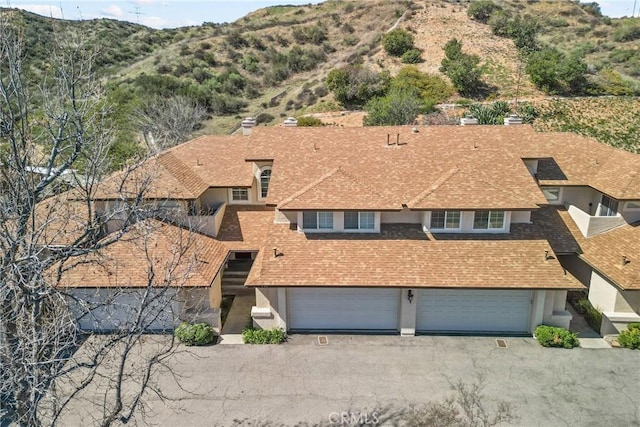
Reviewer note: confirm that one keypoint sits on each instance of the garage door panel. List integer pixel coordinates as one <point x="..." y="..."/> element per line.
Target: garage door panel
<point x="343" y="309"/>
<point x="473" y="310"/>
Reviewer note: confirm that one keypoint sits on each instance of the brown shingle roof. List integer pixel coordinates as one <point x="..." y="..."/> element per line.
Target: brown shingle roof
<point x="604" y="252"/>
<point x="347" y="162"/>
<point x="403" y="255"/>
<point x="193" y="259"/>
<point x="245" y="227"/>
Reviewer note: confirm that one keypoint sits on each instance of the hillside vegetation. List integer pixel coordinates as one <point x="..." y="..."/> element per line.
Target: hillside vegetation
<point x="274" y="62"/>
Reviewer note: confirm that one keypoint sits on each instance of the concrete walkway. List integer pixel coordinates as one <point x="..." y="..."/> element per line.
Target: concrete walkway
<point x="587" y="337"/>
<point x="238" y="318"/>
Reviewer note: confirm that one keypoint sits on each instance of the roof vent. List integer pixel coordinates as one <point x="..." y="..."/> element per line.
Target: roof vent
<point x="468" y="120"/>
<point x="247" y="124"/>
<point x="290" y="122"/>
<point x="512" y="120"/>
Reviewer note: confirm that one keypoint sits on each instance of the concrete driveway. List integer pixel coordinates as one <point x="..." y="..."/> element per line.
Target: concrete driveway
<point x="303" y="383"/>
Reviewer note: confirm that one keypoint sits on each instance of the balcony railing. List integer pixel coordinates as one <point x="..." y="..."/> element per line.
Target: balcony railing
<point x="592" y="225"/>
<point x="208" y="221"/>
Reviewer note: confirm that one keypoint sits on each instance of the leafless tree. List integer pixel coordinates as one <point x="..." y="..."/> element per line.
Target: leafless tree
<point x="467" y="407"/>
<point x="59" y="124"/>
<point x="165" y="122"/>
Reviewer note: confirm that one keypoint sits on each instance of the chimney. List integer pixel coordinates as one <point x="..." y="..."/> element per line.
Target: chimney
<point x="512" y="120"/>
<point x="468" y="120"/>
<point x="247" y="125"/>
<point x="290" y="122"/>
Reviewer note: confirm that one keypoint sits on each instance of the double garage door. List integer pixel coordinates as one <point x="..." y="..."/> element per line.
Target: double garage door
<point x="343" y="309"/>
<point x="470" y="310"/>
<point x="437" y="310"/>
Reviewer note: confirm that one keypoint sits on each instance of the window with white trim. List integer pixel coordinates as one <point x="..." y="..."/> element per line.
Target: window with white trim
<point x="608" y="206"/>
<point x="355" y="220"/>
<point x="265" y="177"/>
<point x="240" y="194"/>
<point x="552" y="194"/>
<point x="314" y="220"/>
<point x="488" y="220"/>
<point x="445" y="220"/>
<point x="632" y="206"/>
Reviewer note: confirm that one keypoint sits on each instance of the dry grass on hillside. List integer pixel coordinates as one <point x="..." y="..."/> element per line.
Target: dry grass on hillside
<point x="438" y="22"/>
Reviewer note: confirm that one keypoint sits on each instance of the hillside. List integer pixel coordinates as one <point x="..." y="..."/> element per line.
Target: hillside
<point x="273" y="62"/>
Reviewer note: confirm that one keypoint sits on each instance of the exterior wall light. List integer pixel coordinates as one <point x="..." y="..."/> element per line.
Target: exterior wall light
<point x="410" y="296"/>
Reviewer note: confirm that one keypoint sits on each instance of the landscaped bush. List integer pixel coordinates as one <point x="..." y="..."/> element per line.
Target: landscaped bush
<point x="264" y="336"/>
<point x="550" y="336"/>
<point x="631" y="337"/>
<point x="591" y="314"/>
<point x="196" y="334"/>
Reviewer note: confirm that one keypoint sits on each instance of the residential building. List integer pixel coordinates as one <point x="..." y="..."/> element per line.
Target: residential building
<point x="464" y="229"/>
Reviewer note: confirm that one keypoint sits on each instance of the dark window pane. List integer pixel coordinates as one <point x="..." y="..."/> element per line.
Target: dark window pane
<point x="351" y="220"/>
<point x="310" y="219"/>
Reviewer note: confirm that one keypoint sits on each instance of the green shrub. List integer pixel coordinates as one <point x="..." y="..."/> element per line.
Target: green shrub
<point x="481" y="10"/>
<point x="631" y="337"/>
<point x="264" y="336"/>
<point x="634" y="325"/>
<point x="396" y="42"/>
<point x="264" y="118"/>
<point x="196" y="334"/>
<point x="591" y="314"/>
<point x="627" y="32"/>
<point x="412" y="56"/>
<point x="550" y="336"/>
<point x="309" y="121"/>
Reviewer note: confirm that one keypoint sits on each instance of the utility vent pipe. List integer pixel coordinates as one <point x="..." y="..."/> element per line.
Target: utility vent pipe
<point x="248" y="124"/>
<point x="512" y="120"/>
<point x="290" y="122"/>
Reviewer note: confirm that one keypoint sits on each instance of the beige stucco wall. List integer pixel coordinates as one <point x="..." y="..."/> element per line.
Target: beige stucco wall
<point x="576" y="267"/>
<point x="548" y="307"/>
<point x="581" y="197"/>
<point x="408" y="312"/>
<point x="286" y="217"/>
<point x="404" y="216"/>
<point x="518" y="217"/>
<point x="266" y="312"/>
<point x="214" y="196"/>
<point x="215" y="291"/>
<point x="602" y="294"/>
<point x="628" y="301"/>
<point x="630" y="215"/>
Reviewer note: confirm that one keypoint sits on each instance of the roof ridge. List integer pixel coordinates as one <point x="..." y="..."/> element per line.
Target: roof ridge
<point x="489" y="183"/>
<point x="365" y="185"/>
<point x="437" y="184"/>
<point x="308" y="187"/>
<point x="163" y="160"/>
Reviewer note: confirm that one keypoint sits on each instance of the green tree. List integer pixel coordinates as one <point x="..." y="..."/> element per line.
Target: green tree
<point x="461" y="68"/>
<point x="397" y="42"/>
<point x="429" y="87"/>
<point x="398" y="107"/>
<point x="353" y="86"/>
<point x="556" y="73"/>
<point x="482" y="10"/>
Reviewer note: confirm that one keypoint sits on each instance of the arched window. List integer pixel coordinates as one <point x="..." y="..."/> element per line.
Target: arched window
<point x="265" y="177"/>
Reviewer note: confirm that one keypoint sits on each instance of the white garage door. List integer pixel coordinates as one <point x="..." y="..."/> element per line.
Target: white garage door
<point x="343" y="309"/>
<point x="106" y="310"/>
<point x="473" y="310"/>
